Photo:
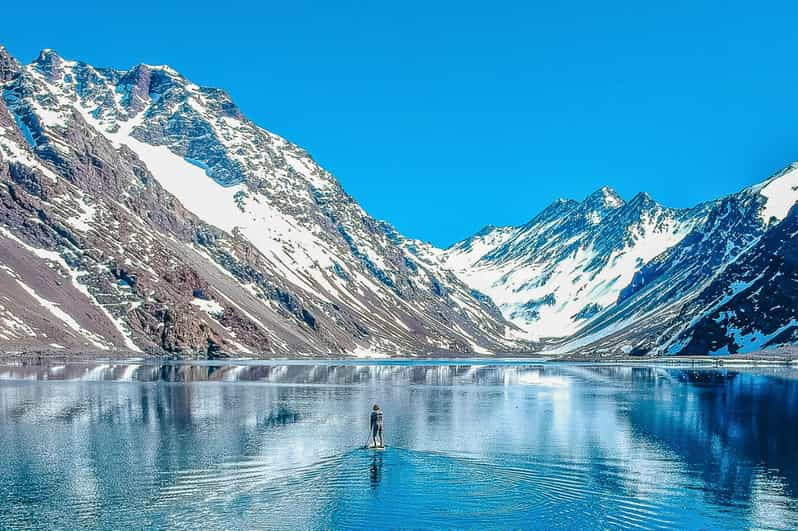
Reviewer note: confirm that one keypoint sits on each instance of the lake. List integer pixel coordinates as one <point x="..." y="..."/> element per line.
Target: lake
<point x="507" y="445"/>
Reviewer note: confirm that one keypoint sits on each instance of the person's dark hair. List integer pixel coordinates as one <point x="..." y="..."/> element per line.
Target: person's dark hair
<point x="376" y="407"/>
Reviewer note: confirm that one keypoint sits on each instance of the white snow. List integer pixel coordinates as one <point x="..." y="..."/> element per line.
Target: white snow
<point x="210" y="307"/>
<point x="61" y="315"/>
<point x="512" y="284"/>
<point x="367" y="352"/>
<point x="12" y="151"/>
<point x="781" y="193"/>
<point x="480" y="350"/>
<point x="82" y="221"/>
<point x="754" y="340"/>
<point x="12" y="326"/>
<point x="50" y="117"/>
<point x="461" y="256"/>
<point x="306" y="170"/>
<point x="73" y="274"/>
<point x="610" y="199"/>
<point x="557" y="289"/>
<point x="294" y="249"/>
<point x="84" y="214"/>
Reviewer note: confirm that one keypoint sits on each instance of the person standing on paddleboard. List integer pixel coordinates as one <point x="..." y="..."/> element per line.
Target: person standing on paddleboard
<point x="375" y="424"/>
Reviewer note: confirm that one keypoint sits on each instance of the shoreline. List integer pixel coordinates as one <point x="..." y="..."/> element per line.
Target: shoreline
<point x="784" y="356"/>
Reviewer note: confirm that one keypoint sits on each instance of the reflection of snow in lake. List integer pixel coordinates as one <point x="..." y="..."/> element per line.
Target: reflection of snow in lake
<point x="491" y="446"/>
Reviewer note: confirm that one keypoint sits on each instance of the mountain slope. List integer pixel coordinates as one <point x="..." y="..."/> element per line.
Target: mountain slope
<point x="606" y="276"/>
<point x="554" y="274"/>
<point x="752" y="304"/>
<point x="185" y="228"/>
<point x="142" y="212"/>
<point x="644" y="318"/>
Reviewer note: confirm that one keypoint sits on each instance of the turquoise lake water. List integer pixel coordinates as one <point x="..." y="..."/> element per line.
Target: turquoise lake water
<point x="470" y="446"/>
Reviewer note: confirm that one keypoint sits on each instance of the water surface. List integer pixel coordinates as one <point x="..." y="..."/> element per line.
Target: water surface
<point x="497" y="446"/>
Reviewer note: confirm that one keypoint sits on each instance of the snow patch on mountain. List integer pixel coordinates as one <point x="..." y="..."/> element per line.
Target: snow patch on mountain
<point x="63" y="316"/>
<point x="749" y="341"/>
<point x="781" y="193"/>
<point x="466" y="253"/>
<point x="52" y="256"/>
<point x="557" y="272"/>
<point x="210" y="307"/>
<point x="12" y="326"/>
<point x="162" y="189"/>
<point x="367" y="353"/>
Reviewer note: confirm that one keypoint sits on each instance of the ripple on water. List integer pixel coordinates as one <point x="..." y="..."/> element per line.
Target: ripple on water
<point x="570" y="447"/>
<point x="349" y="489"/>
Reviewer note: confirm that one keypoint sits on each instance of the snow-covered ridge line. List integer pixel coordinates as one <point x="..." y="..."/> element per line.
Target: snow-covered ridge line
<point x="162" y="165"/>
<point x="208" y="235"/>
<point x="573" y="264"/>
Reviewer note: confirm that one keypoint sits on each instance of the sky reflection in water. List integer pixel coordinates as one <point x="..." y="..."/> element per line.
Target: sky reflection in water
<point x="470" y="446"/>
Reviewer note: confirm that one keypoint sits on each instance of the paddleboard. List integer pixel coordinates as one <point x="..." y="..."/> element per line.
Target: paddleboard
<point x="370" y="447"/>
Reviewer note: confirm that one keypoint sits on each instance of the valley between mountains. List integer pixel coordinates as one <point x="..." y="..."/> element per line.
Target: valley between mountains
<point x="140" y="212"/>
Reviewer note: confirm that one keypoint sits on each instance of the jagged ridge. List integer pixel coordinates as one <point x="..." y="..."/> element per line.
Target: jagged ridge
<point x="188" y="229"/>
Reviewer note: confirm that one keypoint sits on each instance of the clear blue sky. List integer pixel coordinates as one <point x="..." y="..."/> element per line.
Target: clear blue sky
<point x="443" y="116"/>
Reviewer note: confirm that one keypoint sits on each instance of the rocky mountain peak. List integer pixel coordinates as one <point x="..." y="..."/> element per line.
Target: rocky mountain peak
<point x="642" y="201"/>
<point x="9" y="67"/>
<point x="487" y="229"/>
<point x="604" y="198"/>
<point x="777" y="194"/>
<point x="50" y="64"/>
<point x="598" y="204"/>
<point x="136" y="74"/>
<point x="555" y="210"/>
<point x="186" y="228"/>
<point x="566" y="266"/>
<point x="784" y="174"/>
<point x="136" y="87"/>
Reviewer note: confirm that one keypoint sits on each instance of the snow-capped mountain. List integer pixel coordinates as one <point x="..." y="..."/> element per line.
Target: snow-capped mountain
<point x="556" y="273"/>
<point x="606" y="275"/>
<point x="653" y="310"/>
<point x="752" y="304"/>
<point x="139" y="210"/>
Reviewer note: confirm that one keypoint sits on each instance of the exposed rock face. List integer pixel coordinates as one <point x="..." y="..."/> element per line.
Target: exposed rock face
<point x="556" y="273"/>
<point x="750" y="305"/>
<point x="141" y="211"/>
<point x="606" y="276"/>
<point x="9" y="67"/>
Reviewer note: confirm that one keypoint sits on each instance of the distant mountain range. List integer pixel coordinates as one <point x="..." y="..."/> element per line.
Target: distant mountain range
<point x="142" y="212"/>
<point x="606" y="275"/>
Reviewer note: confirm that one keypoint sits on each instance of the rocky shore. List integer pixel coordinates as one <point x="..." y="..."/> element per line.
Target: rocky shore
<point x="781" y="355"/>
<point x="787" y="355"/>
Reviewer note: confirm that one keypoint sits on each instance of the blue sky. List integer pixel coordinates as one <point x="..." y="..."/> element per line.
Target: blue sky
<point x="441" y="117"/>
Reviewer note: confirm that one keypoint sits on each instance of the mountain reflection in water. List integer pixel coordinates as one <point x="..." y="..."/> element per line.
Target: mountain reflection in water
<point x="115" y="445"/>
